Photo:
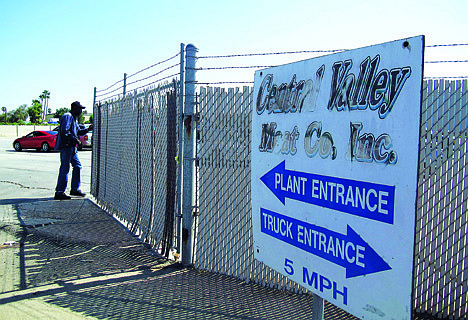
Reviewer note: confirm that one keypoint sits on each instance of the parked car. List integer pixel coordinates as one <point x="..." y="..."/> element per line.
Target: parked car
<point x="86" y="140"/>
<point x="39" y="140"/>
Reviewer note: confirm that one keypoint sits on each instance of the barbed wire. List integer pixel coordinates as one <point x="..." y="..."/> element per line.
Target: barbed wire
<point x="310" y="51"/>
<point x="270" y="53"/>
<point x="155" y="74"/>
<point x="138" y="72"/>
<point x="225" y="82"/>
<point x="302" y="52"/>
<point x="251" y="82"/>
<point x="256" y="66"/>
<point x="232" y="67"/>
<point x="447" y="61"/>
<point x="154" y="65"/>
<point x="447" y="45"/>
<point x="443" y="77"/>
<point x="105" y="94"/>
<point x="121" y="80"/>
<point x="158" y="80"/>
<point x="133" y="89"/>
<point x="272" y="66"/>
<point x="146" y="78"/>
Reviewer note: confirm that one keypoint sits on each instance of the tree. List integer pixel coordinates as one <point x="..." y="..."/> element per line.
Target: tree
<point x="35" y="112"/>
<point x="4" y="109"/>
<point x="45" y="101"/>
<point x="81" y="118"/>
<point x="59" y="112"/>
<point x="19" y="115"/>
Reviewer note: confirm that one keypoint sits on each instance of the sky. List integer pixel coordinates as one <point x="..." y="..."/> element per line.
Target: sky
<point x="71" y="47"/>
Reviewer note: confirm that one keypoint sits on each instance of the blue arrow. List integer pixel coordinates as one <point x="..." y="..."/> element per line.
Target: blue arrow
<point x="369" y="200"/>
<point x="347" y="250"/>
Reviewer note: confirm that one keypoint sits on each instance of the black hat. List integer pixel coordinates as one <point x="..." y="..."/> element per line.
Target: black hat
<point x="77" y="104"/>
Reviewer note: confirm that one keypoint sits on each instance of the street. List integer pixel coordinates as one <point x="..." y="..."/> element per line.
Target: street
<point x="31" y="169"/>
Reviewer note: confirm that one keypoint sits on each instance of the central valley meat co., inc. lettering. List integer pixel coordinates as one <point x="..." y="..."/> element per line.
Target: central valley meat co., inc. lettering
<point x="372" y="89"/>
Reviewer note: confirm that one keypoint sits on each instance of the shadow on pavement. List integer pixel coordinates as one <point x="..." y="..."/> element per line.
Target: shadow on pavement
<point x="16" y="201"/>
<point x="75" y="256"/>
<point x="32" y="151"/>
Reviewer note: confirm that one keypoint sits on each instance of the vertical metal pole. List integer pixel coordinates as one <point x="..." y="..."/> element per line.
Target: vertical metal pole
<point x="93" y="154"/>
<point x="94" y="98"/>
<point x="125" y="84"/>
<point x="189" y="154"/>
<point x="181" y="148"/>
<point x="317" y="307"/>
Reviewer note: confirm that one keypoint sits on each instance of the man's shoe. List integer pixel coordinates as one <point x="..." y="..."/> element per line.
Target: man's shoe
<point x="77" y="193"/>
<point x="61" y="196"/>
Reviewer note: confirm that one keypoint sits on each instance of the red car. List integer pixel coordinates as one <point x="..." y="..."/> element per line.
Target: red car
<point x="39" y="140"/>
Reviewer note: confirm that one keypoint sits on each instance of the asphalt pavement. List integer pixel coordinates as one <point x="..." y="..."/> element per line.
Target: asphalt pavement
<point x="71" y="260"/>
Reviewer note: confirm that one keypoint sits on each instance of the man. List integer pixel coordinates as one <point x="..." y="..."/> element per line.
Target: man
<point x="67" y="140"/>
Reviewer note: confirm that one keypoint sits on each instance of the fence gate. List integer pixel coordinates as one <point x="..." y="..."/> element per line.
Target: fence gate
<point x="134" y="172"/>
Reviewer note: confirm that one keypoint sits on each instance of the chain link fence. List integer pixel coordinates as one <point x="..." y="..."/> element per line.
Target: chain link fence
<point x="441" y="246"/>
<point x="134" y="171"/>
<point x="134" y="177"/>
<point x="224" y="238"/>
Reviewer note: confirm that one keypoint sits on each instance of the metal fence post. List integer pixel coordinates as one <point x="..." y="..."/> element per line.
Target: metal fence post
<point x="94" y="98"/>
<point x="181" y="148"/>
<point x="93" y="154"/>
<point x="124" y="84"/>
<point x="317" y="307"/>
<point x="189" y="154"/>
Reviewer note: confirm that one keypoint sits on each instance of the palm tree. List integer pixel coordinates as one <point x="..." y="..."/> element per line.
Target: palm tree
<point x="42" y="97"/>
<point x="4" y="109"/>
<point x="45" y="101"/>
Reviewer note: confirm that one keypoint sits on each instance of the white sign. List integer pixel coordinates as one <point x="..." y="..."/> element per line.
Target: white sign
<point x="334" y="174"/>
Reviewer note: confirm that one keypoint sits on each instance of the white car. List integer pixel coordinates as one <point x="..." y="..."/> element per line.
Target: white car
<point x="87" y="139"/>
